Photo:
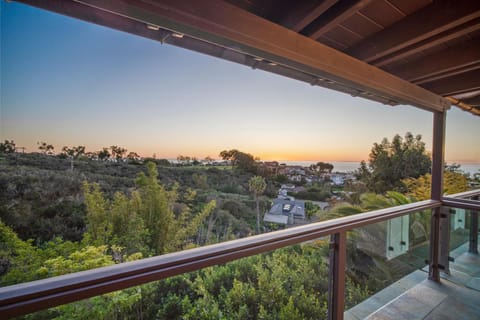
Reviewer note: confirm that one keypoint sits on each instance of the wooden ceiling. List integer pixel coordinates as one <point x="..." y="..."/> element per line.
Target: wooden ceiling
<point x="432" y="44"/>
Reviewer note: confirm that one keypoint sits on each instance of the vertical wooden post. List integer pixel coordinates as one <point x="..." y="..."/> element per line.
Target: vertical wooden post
<point x="336" y="287"/>
<point x="437" y="193"/>
<point x="473" y="243"/>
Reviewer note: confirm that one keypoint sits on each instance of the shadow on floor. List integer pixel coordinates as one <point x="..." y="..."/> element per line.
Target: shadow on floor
<point x="415" y="297"/>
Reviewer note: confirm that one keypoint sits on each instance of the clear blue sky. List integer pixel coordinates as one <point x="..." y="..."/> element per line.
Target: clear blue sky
<point x="68" y="82"/>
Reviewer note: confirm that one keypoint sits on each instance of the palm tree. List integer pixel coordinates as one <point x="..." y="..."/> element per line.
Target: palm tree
<point x="257" y="186"/>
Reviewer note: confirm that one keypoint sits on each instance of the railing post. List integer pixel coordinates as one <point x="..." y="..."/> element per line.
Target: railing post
<point x="473" y="243"/>
<point x="438" y="148"/>
<point x="444" y="244"/>
<point x="336" y="285"/>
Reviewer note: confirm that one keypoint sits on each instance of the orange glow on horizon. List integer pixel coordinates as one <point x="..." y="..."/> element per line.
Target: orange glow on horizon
<point x="280" y="156"/>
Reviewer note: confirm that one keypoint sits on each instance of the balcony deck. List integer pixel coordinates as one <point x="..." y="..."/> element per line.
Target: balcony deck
<point x="416" y="297"/>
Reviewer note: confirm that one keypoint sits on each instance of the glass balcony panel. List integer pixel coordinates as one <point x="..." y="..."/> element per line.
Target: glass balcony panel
<point x="460" y="225"/>
<point x="464" y="265"/>
<point x="384" y="260"/>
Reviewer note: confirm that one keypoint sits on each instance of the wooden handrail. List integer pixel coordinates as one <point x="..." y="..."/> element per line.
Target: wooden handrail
<point x="42" y="294"/>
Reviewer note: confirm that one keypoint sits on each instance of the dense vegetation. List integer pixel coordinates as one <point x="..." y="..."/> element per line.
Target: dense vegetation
<point x="125" y="213"/>
<point x="74" y="211"/>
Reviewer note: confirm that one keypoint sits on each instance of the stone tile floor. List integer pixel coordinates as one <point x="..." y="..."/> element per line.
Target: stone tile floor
<point x="457" y="296"/>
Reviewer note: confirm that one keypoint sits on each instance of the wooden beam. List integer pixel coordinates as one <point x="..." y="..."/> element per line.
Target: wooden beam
<point x="429" y="21"/>
<point x="221" y="24"/>
<point x="333" y="17"/>
<point x="303" y="15"/>
<point x="458" y="84"/>
<point x="464" y="106"/>
<point x="442" y="62"/>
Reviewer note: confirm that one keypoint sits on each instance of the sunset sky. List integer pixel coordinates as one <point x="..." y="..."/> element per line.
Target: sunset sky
<point x="68" y="82"/>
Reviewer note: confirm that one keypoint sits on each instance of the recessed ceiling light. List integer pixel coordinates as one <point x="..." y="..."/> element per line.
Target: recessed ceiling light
<point x="272" y="63"/>
<point x="177" y="35"/>
<point x="257" y="59"/>
<point x="153" y="27"/>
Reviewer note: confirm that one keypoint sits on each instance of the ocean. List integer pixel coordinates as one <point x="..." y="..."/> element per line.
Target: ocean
<point x="350" y="166"/>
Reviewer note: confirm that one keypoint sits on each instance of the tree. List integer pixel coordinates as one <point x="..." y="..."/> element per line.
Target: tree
<point x="257" y="186"/>
<point x="420" y="188"/>
<point x="73" y="153"/>
<point x="156" y="208"/>
<point x="242" y="160"/>
<point x="45" y="148"/>
<point x="322" y="167"/>
<point x="133" y="157"/>
<point x="7" y="147"/>
<point x="118" y="152"/>
<point x="245" y="161"/>
<point x="208" y="160"/>
<point x="228" y="155"/>
<point x="99" y="226"/>
<point x="391" y="162"/>
<point x="167" y="232"/>
<point x="185" y="160"/>
<point x="18" y="259"/>
<point x="103" y="154"/>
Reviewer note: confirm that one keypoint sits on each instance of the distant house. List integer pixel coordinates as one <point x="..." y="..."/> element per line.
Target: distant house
<point x="295" y="177"/>
<point x="282" y="193"/>
<point x="268" y="167"/>
<point x="285" y="211"/>
<point x="290" y="170"/>
<point x="338" y="179"/>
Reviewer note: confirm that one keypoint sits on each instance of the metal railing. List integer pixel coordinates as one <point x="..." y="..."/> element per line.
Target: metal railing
<point x="37" y="295"/>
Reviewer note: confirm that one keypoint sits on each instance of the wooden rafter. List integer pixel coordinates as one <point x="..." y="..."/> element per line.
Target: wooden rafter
<point x="303" y="15"/>
<point x="429" y="21"/>
<point x="336" y="15"/>
<point x="450" y="73"/>
<point x="444" y="63"/>
<point x="454" y="33"/>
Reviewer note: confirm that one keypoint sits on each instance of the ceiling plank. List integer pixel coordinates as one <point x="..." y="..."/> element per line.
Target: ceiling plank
<point x="333" y="17"/>
<point x="441" y="62"/>
<point x="458" y="84"/>
<point x="473" y="101"/>
<point x="222" y="24"/>
<point x="302" y="16"/>
<point x="429" y="21"/>
<point x="450" y="73"/>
